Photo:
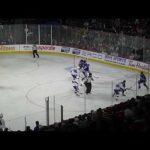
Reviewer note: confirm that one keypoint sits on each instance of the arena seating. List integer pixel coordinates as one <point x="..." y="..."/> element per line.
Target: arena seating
<point x="130" y="116"/>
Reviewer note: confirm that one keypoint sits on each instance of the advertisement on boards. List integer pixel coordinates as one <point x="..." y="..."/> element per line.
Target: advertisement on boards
<point x="76" y="51"/>
<point x="65" y="49"/>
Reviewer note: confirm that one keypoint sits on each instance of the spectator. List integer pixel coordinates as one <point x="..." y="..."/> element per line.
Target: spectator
<point x="6" y="130"/>
<point x="128" y="114"/>
<point x="28" y="129"/>
<point x="10" y="39"/>
<point x="38" y="126"/>
<point x="2" y="123"/>
<point x="131" y="56"/>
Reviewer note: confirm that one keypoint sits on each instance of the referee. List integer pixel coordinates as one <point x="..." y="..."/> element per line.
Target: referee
<point x="88" y="83"/>
<point x="34" y="50"/>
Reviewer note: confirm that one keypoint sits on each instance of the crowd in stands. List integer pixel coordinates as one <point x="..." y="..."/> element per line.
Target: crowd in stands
<point x="133" y="27"/>
<point x="131" y="116"/>
<point x="126" y="27"/>
<point x="109" y="36"/>
<point x="127" y="38"/>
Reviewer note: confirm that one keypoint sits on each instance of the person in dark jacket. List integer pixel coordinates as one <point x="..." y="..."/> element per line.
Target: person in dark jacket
<point x="37" y="127"/>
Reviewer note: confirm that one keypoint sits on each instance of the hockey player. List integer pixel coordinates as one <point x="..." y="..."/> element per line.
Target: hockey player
<point x="88" y="84"/>
<point x="75" y="85"/>
<point x="84" y="67"/>
<point x="74" y="73"/>
<point x="142" y="80"/>
<point x="123" y="87"/>
<point x="120" y="87"/>
<point x="85" y="70"/>
<point x="81" y="63"/>
<point x="116" y="90"/>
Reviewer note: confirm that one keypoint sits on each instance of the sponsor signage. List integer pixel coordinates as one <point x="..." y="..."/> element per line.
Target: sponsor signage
<point x="108" y="58"/>
<point x="27" y="47"/>
<point x="65" y="49"/>
<point x="119" y="60"/>
<point x="76" y="51"/>
<point x="7" y="48"/>
<point x="138" y="65"/>
<point x="45" y="47"/>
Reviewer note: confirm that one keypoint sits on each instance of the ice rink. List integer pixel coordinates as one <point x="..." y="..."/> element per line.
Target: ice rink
<point x="25" y="82"/>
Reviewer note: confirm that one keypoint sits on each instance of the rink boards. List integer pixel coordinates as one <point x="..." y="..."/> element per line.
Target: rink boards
<point x="24" y="95"/>
<point x="110" y="60"/>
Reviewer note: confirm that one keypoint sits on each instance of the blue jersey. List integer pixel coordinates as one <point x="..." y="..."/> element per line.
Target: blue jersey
<point x="82" y="63"/>
<point x="86" y="67"/>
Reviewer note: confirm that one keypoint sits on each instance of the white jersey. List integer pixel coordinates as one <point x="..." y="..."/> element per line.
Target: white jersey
<point x="88" y="79"/>
<point x="117" y="87"/>
<point x="34" y="48"/>
<point x="74" y="83"/>
<point x="74" y="72"/>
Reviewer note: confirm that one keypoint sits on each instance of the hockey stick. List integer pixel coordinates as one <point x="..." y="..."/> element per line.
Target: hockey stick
<point x="130" y="88"/>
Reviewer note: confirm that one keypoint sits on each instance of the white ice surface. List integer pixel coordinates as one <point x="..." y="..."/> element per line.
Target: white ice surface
<point x="26" y="82"/>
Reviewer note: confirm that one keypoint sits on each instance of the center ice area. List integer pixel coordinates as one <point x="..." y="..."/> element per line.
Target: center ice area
<point x="25" y="82"/>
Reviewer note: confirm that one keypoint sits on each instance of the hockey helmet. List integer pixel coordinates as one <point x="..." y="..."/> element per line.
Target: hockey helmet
<point x="117" y="85"/>
<point x="90" y="74"/>
<point x="75" y="70"/>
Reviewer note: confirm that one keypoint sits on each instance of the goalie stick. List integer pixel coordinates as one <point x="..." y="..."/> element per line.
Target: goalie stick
<point x="130" y="88"/>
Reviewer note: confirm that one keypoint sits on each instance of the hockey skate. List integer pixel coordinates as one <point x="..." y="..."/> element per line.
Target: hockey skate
<point x="139" y="87"/>
<point x="77" y="93"/>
